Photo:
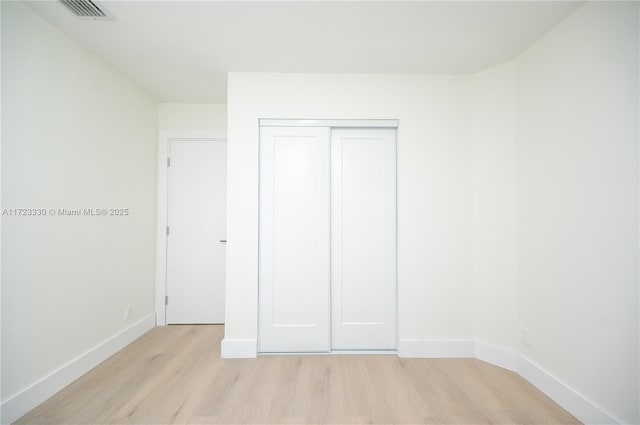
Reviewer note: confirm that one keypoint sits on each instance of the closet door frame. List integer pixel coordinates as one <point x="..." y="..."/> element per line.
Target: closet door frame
<point x="376" y="123"/>
<point x="329" y="124"/>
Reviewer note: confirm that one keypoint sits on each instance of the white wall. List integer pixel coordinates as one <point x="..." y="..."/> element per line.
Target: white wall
<point x="493" y="145"/>
<point x="577" y="162"/>
<point x="434" y="188"/>
<point x="1" y="206"/>
<point x="554" y="138"/>
<point x="75" y="134"/>
<point x="192" y="117"/>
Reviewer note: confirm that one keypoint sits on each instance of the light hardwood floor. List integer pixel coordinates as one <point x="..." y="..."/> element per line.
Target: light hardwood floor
<point x="174" y="374"/>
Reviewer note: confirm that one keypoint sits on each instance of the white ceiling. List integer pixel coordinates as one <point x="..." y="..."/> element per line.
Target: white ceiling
<point x="181" y="51"/>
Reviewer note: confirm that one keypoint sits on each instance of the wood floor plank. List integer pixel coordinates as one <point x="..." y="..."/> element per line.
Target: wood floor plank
<point x="174" y="375"/>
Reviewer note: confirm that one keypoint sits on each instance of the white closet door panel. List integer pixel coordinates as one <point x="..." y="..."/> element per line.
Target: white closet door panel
<point x="294" y="239"/>
<point x="363" y="242"/>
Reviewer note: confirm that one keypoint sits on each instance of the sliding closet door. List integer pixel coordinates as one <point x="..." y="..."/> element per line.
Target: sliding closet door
<point x="294" y="239"/>
<point x="363" y="239"/>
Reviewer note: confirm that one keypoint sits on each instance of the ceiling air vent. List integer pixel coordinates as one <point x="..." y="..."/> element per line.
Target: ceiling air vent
<point x="88" y="9"/>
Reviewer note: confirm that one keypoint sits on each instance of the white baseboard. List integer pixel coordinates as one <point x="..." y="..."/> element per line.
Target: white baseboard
<point x="239" y="348"/>
<point x="495" y="355"/>
<point x="21" y="403"/>
<point x="570" y="400"/>
<point x="436" y="348"/>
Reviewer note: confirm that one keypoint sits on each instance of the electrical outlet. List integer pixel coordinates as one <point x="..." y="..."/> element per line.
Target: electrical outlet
<point x="524" y="336"/>
<point x="128" y="312"/>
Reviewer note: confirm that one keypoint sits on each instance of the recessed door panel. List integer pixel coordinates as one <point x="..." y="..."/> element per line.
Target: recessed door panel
<point x="363" y="242"/>
<point x="294" y="239"/>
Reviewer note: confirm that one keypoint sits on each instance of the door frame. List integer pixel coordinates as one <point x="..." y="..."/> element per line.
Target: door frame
<point x="335" y="124"/>
<point x="164" y="137"/>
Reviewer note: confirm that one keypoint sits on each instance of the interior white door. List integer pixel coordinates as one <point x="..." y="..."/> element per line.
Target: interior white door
<point x="294" y="239"/>
<point x="196" y="215"/>
<point x="363" y="239"/>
